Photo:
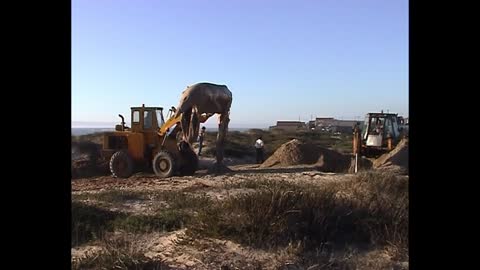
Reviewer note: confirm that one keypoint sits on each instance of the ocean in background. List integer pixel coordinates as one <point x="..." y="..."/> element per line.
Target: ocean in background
<point x="85" y="131"/>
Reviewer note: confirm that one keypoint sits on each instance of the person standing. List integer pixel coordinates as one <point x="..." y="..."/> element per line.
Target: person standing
<point x="200" y="140"/>
<point x="259" y="149"/>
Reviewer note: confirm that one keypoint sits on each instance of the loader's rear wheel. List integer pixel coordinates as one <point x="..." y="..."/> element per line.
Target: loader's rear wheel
<point x="121" y="164"/>
<point x="164" y="164"/>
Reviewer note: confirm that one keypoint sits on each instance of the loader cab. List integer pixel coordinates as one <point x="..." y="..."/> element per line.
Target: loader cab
<point x="146" y="119"/>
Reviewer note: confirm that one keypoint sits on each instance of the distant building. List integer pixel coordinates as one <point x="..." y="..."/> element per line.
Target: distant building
<point x="330" y="124"/>
<point x="322" y="124"/>
<point x="289" y="125"/>
<point x="343" y="126"/>
<point x="324" y="121"/>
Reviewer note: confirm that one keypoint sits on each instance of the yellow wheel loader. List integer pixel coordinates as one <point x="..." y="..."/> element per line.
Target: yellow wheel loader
<point x="149" y="142"/>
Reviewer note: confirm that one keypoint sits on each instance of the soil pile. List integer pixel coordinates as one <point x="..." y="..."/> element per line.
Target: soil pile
<point x="397" y="158"/>
<point x="87" y="161"/>
<point x="296" y="152"/>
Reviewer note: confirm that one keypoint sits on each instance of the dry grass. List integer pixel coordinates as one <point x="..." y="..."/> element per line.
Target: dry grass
<point x="174" y="199"/>
<point x="368" y="213"/>
<point x="111" y="196"/>
<point x="371" y="210"/>
<point x="118" y="253"/>
<point x="91" y="222"/>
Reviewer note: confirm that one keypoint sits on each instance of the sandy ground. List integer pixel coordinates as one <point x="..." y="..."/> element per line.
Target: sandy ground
<point x="174" y="247"/>
<point x="150" y="182"/>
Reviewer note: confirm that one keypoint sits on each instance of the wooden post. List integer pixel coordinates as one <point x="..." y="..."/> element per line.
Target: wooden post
<point x="356" y="163"/>
<point x="389" y="143"/>
<point x="356" y="141"/>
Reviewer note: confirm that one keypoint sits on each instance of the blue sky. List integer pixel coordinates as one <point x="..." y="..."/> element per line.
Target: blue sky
<point x="282" y="60"/>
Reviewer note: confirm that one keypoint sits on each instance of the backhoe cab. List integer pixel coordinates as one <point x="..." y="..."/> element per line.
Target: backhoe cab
<point x="149" y="142"/>
<point x="380" y="133"/>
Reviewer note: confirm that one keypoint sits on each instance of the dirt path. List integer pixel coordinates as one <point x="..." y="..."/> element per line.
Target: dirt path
<point x="150" y="182"/>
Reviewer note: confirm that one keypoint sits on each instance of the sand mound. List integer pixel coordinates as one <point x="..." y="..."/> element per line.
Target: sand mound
<point x="296" y="152"/>
<point x="85" y="148"/>
<point x="397" y="158"/>
<point x="84" y="167"/>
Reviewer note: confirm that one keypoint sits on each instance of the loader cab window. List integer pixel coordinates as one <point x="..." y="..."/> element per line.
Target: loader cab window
<point x="147" y="119"/>
<point x="136" y="117"/>
<point x="160" y="119"/>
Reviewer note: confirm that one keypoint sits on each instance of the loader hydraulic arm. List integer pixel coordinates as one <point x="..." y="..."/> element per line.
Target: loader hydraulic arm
<point x="170" y="123"/>
<point x="174" y="120"/>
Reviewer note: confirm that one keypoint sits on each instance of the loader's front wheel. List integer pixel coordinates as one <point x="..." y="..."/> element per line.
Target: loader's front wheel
<point x="164" y="164"/>
<point x="121" y="164"/>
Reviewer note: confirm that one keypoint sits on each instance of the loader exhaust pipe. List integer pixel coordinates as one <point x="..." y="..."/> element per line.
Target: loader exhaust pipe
<point x="123" y="121"/>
